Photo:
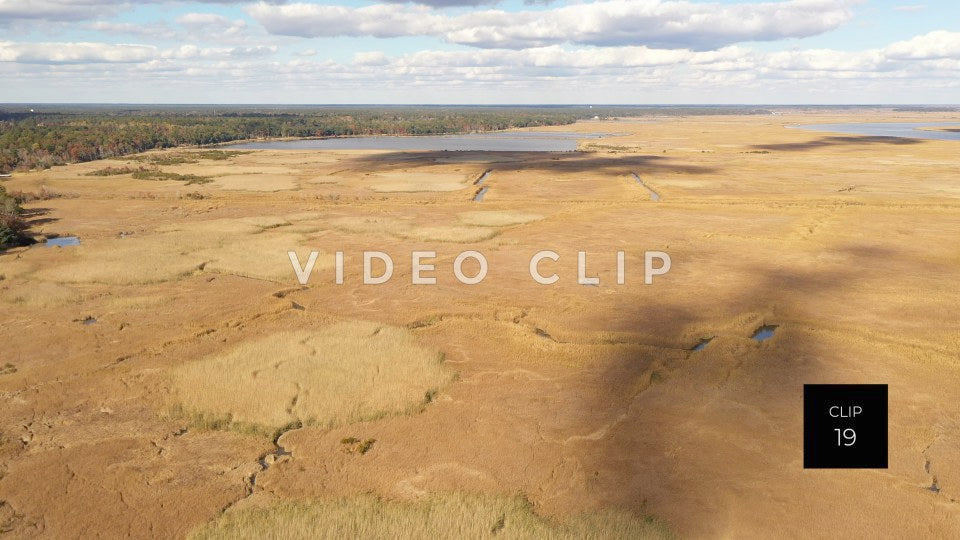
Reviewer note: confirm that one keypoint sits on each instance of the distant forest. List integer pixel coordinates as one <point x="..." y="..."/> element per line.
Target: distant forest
<point x="42" y="136"/>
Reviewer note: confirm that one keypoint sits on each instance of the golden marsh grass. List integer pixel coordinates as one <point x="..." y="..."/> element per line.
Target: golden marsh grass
<point x="581" y="398"/>
<point x="139" y="260"/>
<point x="496" y="218"/>
<point x="343" y="373"/>
<point x="414" y="182"/>
<point x="257" y="182"/>
<point x="405" y="229"/>
<point x="411" y="187"/>
<point x="261" y="256"/>
<point x="44" y="294"/>
<point x="454" y="515"/>
<point x="248" y="247"/>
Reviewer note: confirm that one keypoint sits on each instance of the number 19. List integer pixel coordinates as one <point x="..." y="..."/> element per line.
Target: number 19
<point x="846" y="437"/>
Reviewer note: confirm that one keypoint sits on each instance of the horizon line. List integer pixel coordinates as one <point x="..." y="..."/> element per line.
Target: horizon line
<point x="638" y="105"/>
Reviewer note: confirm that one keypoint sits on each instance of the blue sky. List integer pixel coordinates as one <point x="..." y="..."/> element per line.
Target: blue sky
<point x="462" y="51"/>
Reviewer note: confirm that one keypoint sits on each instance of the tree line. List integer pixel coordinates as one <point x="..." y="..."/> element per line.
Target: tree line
<point x="57" y="135"/>
<point x="41" y="140"/>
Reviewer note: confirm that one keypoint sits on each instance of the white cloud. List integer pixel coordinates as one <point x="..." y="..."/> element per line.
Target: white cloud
<point x="825" y="60"/>
<point x="74" y="53"/>
<point x="153" y="31"/>
<point x="935" y="50"/>
<point x="108" y="53"/>
<point x="203" y="19"/>
<point x="911" y="8"/>
<point x="926" y="65"/>
<point x="730" y="65"/>
<point x="311" y="20"/>
<point x="445" y="3"/>
<point x="194" y="52"/>
<point x="65" y="10"/>
<point x="934" y="45"/>
<point x="373" y="58"/>
<point x="654" y="23"/>
<point x="213" y="27"/>
<point x="186" y="28"/>
<point x="76" y="10"/>
<point x="556" y="56"/>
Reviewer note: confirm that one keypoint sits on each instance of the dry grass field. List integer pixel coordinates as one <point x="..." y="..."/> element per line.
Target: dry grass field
<point x="170" y="377"/>
<point x="345" y="373"/>
<point x="446" y="516"/>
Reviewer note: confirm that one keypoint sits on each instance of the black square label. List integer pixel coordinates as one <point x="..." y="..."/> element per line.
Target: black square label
<point x="844" y="426"/>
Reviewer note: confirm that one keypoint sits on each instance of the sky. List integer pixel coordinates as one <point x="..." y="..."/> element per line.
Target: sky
<point x="481" y="52"/>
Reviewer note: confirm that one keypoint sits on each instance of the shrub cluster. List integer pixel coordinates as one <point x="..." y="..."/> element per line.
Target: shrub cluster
<point x="12" y="225"/>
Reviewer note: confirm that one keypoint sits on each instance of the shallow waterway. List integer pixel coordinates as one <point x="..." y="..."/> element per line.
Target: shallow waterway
<point x="911" y="130"/>
<point x="500" y="141"/>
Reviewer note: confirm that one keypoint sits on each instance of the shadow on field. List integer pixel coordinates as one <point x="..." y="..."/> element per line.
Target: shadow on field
<point x="695" y="433"/>
<point x="562" y="162"/>
<point x="33" y="216"/>
<point x="825" y="142"/>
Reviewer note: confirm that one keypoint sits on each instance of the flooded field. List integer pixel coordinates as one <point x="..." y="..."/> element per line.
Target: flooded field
<point x="764" y="333"/>
<point x="62" y="241"/>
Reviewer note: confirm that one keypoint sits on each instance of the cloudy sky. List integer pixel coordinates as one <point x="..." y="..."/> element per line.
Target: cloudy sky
<point x="480" y="51"/>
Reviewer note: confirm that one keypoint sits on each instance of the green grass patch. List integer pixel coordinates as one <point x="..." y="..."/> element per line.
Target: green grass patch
<point x="218" y="155"/>
<point x="172" y="160"/>
<point x="143" y="173"/>
<point x="113" y="171"/>
<point x="183" y="158"/>
<point x="353" y="445"/>
<point x="156" y="174"/>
